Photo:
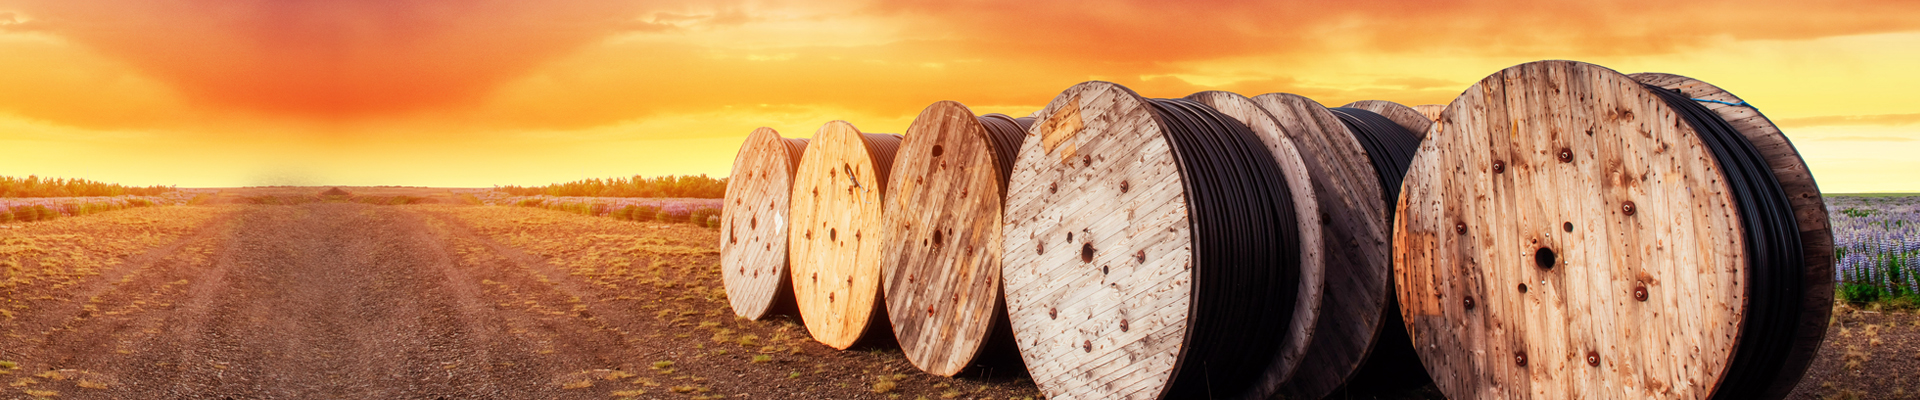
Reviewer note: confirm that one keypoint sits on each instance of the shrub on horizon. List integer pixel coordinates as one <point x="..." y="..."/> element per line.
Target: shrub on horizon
<point x="665" y="215"/>
<point x="645" y="213"/>
<point x="701" y="216"/>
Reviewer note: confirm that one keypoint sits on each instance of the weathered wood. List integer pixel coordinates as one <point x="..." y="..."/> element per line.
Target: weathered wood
<point x="1353" y="220"/>
<point x="839" y="224"/>
<point x="1523" y="273"/>
<point x="1064" y="312"/>
<point x="1406" y="117"/>
<point x="1432" y="111"/>
<point x="1103" y="280"/>
<point x="1306" y="205"/>
<point x="753" y="240"/>
<point x="941" y="262"/>
<point x="1809" y="209"/>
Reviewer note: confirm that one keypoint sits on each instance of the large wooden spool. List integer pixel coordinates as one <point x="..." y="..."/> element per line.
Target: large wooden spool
<point x="1406" y="117"/>
<point x="1810" y="212"/>
<point x="1563" y="233"/>
<point x="839" y="200"/>
<point x="1432" y="111"/>
<point x="1106" y="288"/>
<point x="1306" y="309"/>
<point x="753" y="241"/>
<point x="941" y="262"/>
<point x="1357" y="326"/>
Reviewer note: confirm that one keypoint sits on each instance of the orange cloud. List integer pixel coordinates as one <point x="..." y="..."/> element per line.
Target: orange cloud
<point x="335" y="57"/>
<point x="1152" y="31"/>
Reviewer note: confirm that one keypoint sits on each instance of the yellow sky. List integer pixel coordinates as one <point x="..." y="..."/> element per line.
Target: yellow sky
<point x="484" y="92"/>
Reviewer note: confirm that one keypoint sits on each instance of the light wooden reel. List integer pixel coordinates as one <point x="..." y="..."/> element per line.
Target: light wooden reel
<point x="838" y="227"/>
<point x="1109" y="225"/>
<point x="753" y="237"/>
<point x="1565" y="234"/>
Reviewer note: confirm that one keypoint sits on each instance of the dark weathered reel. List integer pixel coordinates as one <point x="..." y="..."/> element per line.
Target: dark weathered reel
<point x="941" y="263"/>
<point x="1306" y="210"/>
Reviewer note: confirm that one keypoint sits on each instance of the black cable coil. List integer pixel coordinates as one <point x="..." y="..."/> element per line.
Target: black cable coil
<point x="1004" y="134"/>
<point x="1775" y="264"/>
<point x="1246" y="253"/>
<point x="1392" y="362"/>
<point x="1388" y="145"/>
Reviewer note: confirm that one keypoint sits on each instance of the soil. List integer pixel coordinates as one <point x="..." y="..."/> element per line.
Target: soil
<point x="355" y="301"/>
<point x="345" y="300"/>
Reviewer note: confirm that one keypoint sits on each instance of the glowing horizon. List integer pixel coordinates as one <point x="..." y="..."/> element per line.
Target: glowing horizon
<point x="494" y="92"/>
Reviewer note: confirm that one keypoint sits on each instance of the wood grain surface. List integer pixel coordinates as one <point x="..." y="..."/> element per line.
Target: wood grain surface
<point x="1097" y="247"/>
<point x="1353" y="216"/>
<point x="1809" y="210"/>
<point x="838" y="226"/>
<point x="753" y="238"/>
<point x="941" y="263"/>
<point x="1564" y="234"/>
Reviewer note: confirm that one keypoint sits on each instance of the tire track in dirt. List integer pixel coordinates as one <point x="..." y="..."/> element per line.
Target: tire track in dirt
<point x="324" y="300"/>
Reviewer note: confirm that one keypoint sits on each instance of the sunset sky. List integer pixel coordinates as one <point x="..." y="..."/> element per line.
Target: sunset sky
<point x="475" y="93"/>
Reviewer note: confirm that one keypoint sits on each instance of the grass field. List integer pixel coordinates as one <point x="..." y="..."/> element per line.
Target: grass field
<point x="342" y="298"/>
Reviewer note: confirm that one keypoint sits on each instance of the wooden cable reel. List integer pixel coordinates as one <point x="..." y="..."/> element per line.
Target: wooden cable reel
<point x="753" y="241"/>
<point x="1126" y="220"/>
<point x="1809" y="207"/>
<point x="942" y="257"/>
<point x="1407" y="117"/>
<point x="1357" y="326"/>
<point x="1306" y="209"/>
<point x="1568" y="232"/>
<point x="1432" y="111"/>
<point x="838" y="201"/>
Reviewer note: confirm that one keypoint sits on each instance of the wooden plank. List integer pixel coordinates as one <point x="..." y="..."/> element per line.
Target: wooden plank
<point x="753" y="239"/>
<point x="1354" y="225"/>
<point x="941" y="264"/>
<point x="1573" y="143"/>
<point x="838" y="203"/>
<point x="1809" y="209"/>
<point x="1406" y="117"/>
<point x="1313" y="280"/>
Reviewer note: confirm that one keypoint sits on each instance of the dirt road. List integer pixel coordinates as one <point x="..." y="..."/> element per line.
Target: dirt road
<point x="354" y="301"/>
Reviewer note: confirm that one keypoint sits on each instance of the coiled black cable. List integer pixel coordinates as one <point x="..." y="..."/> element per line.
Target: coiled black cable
<point x="1774" y="258"/>
<point x="1246" y="253"/>
<point x="1004" y="134"/>
<point x="1392" y="361"/>
<point x="1388" y="145"/>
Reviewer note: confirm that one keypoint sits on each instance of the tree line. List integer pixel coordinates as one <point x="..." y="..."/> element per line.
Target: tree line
<point x="682" y="186"/>
<point x="35" y="186"/>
